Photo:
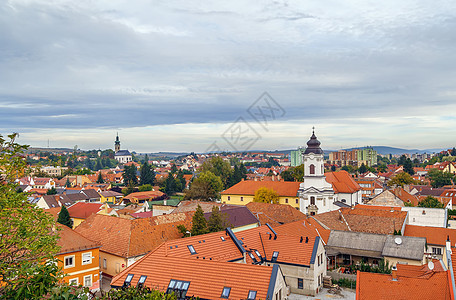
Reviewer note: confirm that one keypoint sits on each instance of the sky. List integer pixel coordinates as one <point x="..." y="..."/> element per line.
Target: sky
<point x="201" y="76"/>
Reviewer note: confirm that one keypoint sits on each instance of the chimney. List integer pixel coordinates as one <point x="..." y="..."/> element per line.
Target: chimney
<point x="394" y="273"/>
<point x="448" y="244"/>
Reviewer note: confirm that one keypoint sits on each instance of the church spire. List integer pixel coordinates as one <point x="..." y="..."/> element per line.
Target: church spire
<point x="117" y="144"/>
<point x="313" y="145"/>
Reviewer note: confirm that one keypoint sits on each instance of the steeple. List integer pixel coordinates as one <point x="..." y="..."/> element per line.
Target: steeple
<point x="313" y="145"/>
<point x="117" y="144"/>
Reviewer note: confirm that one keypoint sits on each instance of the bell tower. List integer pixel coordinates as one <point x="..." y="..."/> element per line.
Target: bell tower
<point x="117" y="144"/>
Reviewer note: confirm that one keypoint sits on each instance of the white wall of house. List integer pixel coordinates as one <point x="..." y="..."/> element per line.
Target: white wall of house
<point x="435" y="217"/>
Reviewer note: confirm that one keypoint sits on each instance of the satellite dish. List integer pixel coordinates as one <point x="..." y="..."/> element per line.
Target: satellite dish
<point x="398" y="241"/>
<point x="431" y="265"/>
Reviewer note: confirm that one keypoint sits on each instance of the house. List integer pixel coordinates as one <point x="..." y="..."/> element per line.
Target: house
<point x="275" y="214"/>
<point x="296" y="247"/>
<point x="91" y="195"/>
<point x="243" y="192"/>
<point x="122" y="156"/>
<point x="48" y="201"/>
<point x="189" y="277"/>
<point x="237" y="217"/>
<point x="436" y="239"/>
<point x="424" y="216"/>
<point x="364" y="218"/>
<point x="111" y="197"/>
<point x="79" y="258"/>
<point x="80" y="211"/>
<point x="432" y="281"/>
<point x="143" y="197"/>
<point x="37" y="182"/>
<point x="369" y="187"/>
<point x="124" y="241"/>
<point x="345" y="248"/>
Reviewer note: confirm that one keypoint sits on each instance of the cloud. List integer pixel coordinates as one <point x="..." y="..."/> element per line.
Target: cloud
<point x="93" y="68"/>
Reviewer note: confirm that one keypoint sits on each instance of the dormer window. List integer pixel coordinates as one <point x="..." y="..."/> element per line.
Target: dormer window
<point x="226" y="293"/>
<point x="252" y="257"/>
<point x="128" y="280"/>
<point x="178" y="287"/>
<point x="252" y="295"/>
<point x="274" y="256"/>
<point x="191" y="249"/>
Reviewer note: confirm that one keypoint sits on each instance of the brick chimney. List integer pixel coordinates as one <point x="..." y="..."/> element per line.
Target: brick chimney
<point x="394" y="273"/>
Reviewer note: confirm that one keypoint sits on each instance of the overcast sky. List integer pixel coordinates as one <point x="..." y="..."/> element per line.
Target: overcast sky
<point x="177" y="75"/>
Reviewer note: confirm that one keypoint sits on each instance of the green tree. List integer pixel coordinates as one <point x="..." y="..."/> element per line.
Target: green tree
<point x="287" y="175"/>
<point x="170" y="184"/>
<point x="431" y="202"/>
<point x="129" y="175"/>
<point x="180" y="181"/>
<point x="401" y="179"/>
<point x="100" y="178"/>
<point x="26" y="231"/>
<point x="362" y="169"/>
<point x="145" y="188"/>
<point x="64" y="217"/>
<point x="98" y="165"/>
<point x="408" y="166"/>
<point x="68" y="183"/>
<point x="206" y="187"/>
<point x="147" y="175"/>
<point x="439" y="178"/>
<point x="266" y="195"/>
<point x="381" y="168"/>
<point x="216" y="222"/>
<point x="218" y="167"/>
<point x="199" y="223"/>
<point x="51" y="191"/>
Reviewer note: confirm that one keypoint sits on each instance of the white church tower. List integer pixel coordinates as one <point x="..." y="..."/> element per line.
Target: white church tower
<point x="316" y="195"/>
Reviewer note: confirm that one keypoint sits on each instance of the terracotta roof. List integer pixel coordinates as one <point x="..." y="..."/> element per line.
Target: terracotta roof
<point x="249" y="187"/>
<point x="433" y="235"/>
<point x="404" y="196"/>
<point x="207" y="278"/>
<point x="419" y="271"/>
<point x="128" y="238"/>
<point x="342" y="182"/>
<point x="91" y="193"/>
<point x="381" y="286"/>
<point x="275" y="214"/>
<point x="54" y="211"/>
<point x="71" y="241"/>
<point x="148" y="195"/>
<point x="51" y="200"/>
<point x="363" y="219"/>
<point x="82" y="210"/>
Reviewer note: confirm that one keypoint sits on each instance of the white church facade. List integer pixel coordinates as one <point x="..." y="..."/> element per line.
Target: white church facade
<point x="320" y="192"/>
<point x="122" y="156"/>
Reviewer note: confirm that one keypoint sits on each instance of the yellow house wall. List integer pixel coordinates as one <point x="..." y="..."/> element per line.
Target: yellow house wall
<point x="113" y="263"/>
<point x="236" y="199"/>
<point x="79" y="271"/>
<point x="394" y="260"/>
<point x="76" y="222"/>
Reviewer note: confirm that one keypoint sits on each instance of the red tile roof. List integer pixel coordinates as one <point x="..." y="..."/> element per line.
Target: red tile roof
<point x="364" y="218"/>
<point x="275" y="214"/>
<point x="433" y="235"/>
<point x="342" y="182"/>
<point x="83" y="210"/>
<point x="249" y="187"/>
<point x="381" y="286"/>
<point x="207" y="278"/>
<point x="71" y="241"/>
<point x="129" y="238"/>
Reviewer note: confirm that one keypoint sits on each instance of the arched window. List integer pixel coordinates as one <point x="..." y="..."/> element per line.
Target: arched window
<point x="312" y="169"/>
<point x="312" y="200"/>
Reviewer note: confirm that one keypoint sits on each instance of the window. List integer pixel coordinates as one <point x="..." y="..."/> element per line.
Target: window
<point x="436" y="251"/>
<point x="86" y="258"/>
<point x="252" y="257"/>
<point x="318" y="258"/>
<point x="312" y="200"/>
<point x="141" y="281"/>
<point x="128" y="280"/>
<point x="300" y="283"/>
<point x="191" y="249"/>
<point x="118" y="267"/>
<point x="105" y="263"/>
<point x="226" y="292"/>
<point x="286" y="200"/>
<point x="312" y="169"/>
<point x="258" y="254"/>
<point x="88" y="281"/>
<point x="229" y="198"/>
<point x="274" y="256"/>
<point x="69" y="261"/>
<point x="73" y="281"/>
<point x="222" y="238"/>
<point x="179" y="288"/>
<point x="297" y="201"/>
<point x="242" y="198"/>
<point x="252" y="295"/>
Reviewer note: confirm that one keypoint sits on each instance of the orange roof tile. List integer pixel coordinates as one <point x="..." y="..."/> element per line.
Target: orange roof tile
<point x="82" y="210"/>
<point x="71" y="241"/>
<point x="160" y="270"/>
<point x="249" y="187"/>
<point x="342" y="182"/>
<point x="381" y="286"/>
<point x="275" y="214"/>
<point x="363" y="219"/>
<point x="129" y="238"/>
<point x="433" y="235"/>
